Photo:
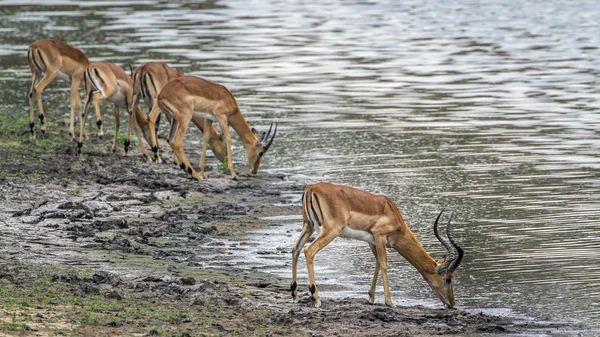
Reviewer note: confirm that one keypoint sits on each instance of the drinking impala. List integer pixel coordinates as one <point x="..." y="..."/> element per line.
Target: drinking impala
<point x="148" y="81"/>
<point x="188" y="97"/>
<point x="337" y="210"/>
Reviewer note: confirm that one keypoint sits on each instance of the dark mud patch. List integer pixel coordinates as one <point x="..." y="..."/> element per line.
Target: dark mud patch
<point x="128" y="232"/>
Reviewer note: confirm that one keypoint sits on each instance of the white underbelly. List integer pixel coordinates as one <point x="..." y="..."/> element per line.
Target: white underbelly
<point x="205" y="115"/>
<point x="350" y="233"/>
<point x="118" y="99"/>
<point x="63" y="76"/>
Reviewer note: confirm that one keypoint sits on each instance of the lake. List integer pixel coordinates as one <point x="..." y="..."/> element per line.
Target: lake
<point x="485" y="107"/>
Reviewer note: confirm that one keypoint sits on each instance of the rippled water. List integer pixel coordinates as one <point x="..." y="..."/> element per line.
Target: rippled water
<point x="489" y="107"/>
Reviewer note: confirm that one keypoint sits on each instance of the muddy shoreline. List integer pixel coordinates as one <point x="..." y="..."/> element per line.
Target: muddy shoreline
<point x="120" y="228"/>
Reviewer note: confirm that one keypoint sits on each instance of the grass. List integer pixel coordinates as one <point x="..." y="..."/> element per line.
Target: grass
<point x="223" y="166"/>
<point x="39" y="301"/>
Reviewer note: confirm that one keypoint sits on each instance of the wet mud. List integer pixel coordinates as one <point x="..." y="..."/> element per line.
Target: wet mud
<point x="141" y="227"/>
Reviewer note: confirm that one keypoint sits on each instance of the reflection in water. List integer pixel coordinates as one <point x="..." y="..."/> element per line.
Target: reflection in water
<point x="489" y="108"/>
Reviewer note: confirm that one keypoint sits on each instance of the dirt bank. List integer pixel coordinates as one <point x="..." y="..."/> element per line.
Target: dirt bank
<point x="107" y="246"/>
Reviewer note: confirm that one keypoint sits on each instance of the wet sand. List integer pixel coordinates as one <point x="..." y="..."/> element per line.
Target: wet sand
<point x="136" y="227"/>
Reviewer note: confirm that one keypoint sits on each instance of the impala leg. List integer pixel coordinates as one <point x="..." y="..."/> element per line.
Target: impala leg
<point x="88" y="98"/>
<point x="307" y="230"/>
<point x="177" y="145"/>
<point x="128" y="136"/>
<point x="34" y="82"/>
<point x="75" y="102"/>
<point x="215" y="143"/>
<point x="141" y="123"/>
<point x="115" y="111"/>
<point x="382" y="257"/>
<point x="207" y="126"/>
<point x="46" y="79"/>
<point x="223" y="124"/>
<point x="375" y="275"/>
<point x="324" y="238"/>
<point x="152" y="129"/>
<point x="170" y="138"/>
<point x="97" y="98"/>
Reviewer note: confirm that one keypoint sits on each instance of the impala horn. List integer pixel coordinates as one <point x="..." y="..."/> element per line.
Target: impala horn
<point x="437" y="235"/>
<point x="272" y="137"/>
<point x="454" y="264"/>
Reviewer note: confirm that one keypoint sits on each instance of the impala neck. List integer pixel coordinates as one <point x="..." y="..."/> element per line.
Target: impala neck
<point x="412" y="250"/>
<point x="238" y="123"/>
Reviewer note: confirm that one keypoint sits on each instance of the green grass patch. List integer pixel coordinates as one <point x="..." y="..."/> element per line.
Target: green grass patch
<point x="45" y="299"/>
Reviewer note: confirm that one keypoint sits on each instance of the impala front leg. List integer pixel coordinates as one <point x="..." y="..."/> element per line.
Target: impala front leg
<point x="207" y="126"/>
<point x="224" y="125"/>
<point x="375" y="275"/>
<point x="380" y="242"/>
<point x="89" y="97"/>
<point x="75" y="103"/>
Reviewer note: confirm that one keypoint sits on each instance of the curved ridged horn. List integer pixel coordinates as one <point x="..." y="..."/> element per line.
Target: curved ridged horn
<point x="454" y="264"/>
<point x="435" y="231"/>
<point x="272" y="138"/>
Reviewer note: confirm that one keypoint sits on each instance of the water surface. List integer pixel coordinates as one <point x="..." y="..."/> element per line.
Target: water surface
<point x="487" y="107"/>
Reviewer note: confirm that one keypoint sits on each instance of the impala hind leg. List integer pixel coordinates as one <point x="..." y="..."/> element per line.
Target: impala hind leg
<point x="34" y="81"/>
<point x="154" y="113"/>
<point x="46" y="79"/>
<point x="375" y="275"/>
<point x="115" y="111"/>
<point x="170" y="138"/>
<point x="324" y="238"/>
<point x="307" y="230"/>
<point x="177" y="145"/>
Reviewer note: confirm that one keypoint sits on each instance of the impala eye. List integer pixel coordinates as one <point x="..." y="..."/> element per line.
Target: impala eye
<point x="448" y="280"/>
<point x="260" y="154"/>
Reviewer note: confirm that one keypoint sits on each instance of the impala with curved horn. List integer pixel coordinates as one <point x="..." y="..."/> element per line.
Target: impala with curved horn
<point x="188" y="97"/>
<point x="344" y="211"/>
<point x="148" y="81"/>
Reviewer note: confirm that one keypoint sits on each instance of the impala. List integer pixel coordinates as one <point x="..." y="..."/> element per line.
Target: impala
<point x="109" y="81"/>
<point x="50" y="59"/>
<point x="188" y="97"/>
<point x="337" y="210"/>
<point x="148" y="81"/>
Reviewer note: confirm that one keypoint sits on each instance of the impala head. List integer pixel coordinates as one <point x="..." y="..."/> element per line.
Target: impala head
<point x="441" y="281"/>
<point x="260" y="148"/>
